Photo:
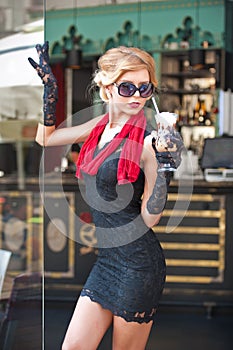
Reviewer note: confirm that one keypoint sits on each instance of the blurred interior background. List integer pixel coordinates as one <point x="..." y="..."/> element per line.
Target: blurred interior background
<point x="45" y="224"/>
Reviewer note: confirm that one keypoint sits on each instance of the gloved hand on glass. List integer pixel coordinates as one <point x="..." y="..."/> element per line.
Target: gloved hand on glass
<point x="44" y="71"/>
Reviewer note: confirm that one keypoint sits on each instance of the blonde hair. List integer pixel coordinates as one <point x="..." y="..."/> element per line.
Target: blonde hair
<point x="119" y="60"/>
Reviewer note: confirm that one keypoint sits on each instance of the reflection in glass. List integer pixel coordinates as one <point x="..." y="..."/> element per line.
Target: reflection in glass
<point x="21" y="27"/>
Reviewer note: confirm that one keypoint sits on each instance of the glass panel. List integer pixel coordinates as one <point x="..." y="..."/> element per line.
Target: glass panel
<point x="21" y="226"/>
<point x="59" y="205"/>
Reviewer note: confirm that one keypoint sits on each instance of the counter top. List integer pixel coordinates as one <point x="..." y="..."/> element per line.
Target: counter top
<point x="70" y="180"/>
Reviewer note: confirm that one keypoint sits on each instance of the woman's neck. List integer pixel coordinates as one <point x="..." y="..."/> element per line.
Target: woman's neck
<point x="116" y="122"/>
<point x="117" y="117"/>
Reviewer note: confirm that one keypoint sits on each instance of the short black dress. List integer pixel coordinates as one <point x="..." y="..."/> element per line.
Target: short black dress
<point x="129" y="274"/>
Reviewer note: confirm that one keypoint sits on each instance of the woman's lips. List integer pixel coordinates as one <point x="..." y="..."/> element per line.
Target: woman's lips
<point x="134" y="104"/>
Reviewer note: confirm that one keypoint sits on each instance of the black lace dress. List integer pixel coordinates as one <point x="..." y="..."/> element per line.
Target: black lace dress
<point x="129" y="274"/>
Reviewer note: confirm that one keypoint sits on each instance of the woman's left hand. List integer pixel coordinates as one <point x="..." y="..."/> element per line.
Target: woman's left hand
<point x="44" y="71"/>
<point x="174" y="148"/>
<point x="43" y="68"/>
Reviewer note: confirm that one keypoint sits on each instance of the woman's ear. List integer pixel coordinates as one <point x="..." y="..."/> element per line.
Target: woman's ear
<point x="108" y="92"/>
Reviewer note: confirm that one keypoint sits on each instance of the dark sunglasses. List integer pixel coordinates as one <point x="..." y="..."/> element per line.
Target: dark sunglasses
<point x="128" y="89"/>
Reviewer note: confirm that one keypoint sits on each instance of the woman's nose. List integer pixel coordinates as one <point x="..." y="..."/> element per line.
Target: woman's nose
<point x="137" y="93"/>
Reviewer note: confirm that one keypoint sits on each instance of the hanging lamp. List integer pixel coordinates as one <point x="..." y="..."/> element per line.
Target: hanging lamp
<point x="73" y="58"/>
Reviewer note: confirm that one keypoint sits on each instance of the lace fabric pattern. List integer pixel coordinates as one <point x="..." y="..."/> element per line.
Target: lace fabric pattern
<point x="128" y="278"/>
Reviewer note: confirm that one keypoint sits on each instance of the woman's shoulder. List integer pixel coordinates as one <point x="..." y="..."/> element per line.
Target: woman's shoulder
<point x="147" y="146"/>
<point x="149" y="134"/>
<point x="148" y="139"/>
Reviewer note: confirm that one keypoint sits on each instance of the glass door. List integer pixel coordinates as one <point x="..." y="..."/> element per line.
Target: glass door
<point x="21" y="219"/>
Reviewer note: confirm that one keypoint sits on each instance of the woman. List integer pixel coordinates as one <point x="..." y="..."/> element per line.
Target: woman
<point x="126" y="195"/>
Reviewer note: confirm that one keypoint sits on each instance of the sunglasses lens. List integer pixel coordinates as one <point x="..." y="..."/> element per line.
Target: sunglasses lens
<point x="146" y="90"/>
<point x="127" y="89"/>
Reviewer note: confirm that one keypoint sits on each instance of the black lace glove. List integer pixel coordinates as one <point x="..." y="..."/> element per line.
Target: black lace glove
<point x="44" y="71"/>
<point x="158" y="199"/>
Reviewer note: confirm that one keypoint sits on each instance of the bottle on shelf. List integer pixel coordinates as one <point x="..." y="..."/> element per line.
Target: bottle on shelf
<point x="200" y="114"/>
<point x="182" y="113"/>
<point x="197" y="111"/>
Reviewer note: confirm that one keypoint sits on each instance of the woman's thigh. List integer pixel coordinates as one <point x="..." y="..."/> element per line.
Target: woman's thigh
<point x="130" y="335"/>
<point x="87" y="326"/>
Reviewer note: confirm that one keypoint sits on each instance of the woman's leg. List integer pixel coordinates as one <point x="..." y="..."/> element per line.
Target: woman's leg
<point x="87" y="326"/>
<point x="130" y="335"/>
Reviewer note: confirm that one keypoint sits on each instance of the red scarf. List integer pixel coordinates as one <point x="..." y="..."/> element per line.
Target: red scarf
<point x="129" y="162"/>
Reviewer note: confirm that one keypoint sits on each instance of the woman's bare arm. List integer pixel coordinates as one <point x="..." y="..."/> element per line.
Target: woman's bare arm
<point x="47" y="134"/>
<point x="51" y="136"/>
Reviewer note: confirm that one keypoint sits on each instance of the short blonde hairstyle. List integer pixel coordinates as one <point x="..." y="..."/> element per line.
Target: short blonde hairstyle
<point x="117" y="61"/>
